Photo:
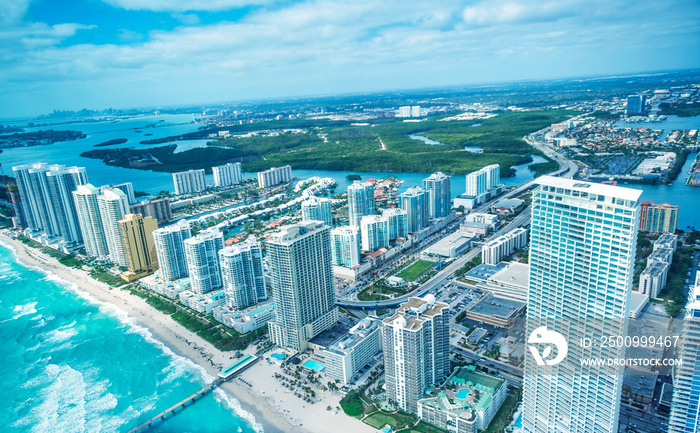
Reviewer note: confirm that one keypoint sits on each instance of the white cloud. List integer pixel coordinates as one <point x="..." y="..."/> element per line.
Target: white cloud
<point x="183" y="5"/>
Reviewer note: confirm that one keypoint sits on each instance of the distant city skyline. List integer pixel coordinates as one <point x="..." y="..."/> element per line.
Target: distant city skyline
<point x="122" y="53"/>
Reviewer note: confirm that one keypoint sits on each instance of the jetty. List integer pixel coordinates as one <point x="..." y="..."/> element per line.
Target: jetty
<point x="224" y="375"/>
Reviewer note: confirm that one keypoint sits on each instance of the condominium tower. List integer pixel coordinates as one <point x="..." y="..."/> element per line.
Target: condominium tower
<point x="416" y="342"/>
<point x="274" y="176"/>
<point x="415" y="202"/>
<point x="85" y="197"/>
<point x="345" y="246"/>
<point x="685" y="409"/>
<point x="299" y="259"/>
<point x="170" y="249"/>
<point x="227" y="175"/>
<point x="114" y="206"/>
<point x="438" y="188"/>
<point x="360" y="201"/>
<point x="187" y="182"/>
<point x="47" y="202"/>
<point x="317" y="209"/>
<point x="482" y="180"/>
<point x="242" y="274"/>
<point x="137" y="237"/>
<point x="202" y="256"/>
<point x="582" y="248"/>
<point x="658" y="218"/>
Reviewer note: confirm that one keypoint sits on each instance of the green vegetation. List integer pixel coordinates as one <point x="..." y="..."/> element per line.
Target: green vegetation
<point x="424" y="427"/>
<point x="107" y="278"/>
<point x="542" y="168"/>
<point x="395" y="420"/>
<point x="679" y="109"/>
<point x="379" y="290"/>
<point x="504" y="416"/>
<point x="69" y="260"/>
<point x="476" y="261"/>
<point x="416" y="270"/>
<point x="352" y="404"/>
<point x="339" y="146"/>
<point x="112" y="142"/>
<point x="674" y="292"/>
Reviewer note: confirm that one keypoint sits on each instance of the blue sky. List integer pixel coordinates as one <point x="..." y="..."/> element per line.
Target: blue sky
<point x="72" y="54"/>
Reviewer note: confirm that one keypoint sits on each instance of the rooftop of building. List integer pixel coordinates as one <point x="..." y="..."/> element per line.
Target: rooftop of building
<point x="485" y="271"/>
<point x="355" y="335"/>
<point x="494" y="306"/>
<point x="290" y="232"/>
<point x="640" y="382"/>
<point x="514" y="273"/>
<point x="509" y="203"/>
<point x="411" y="314"/>
<point x="636" y="300"/>
<point x="330" y="335"/>
<point x="461" y="401"/>
<point x="655" y="268"/>
<point x="590" y="188"/>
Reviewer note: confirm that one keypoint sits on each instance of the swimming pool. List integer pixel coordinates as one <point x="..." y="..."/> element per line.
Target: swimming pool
<point x="278" y="356"/>
<point x="314" y="365"/>
<point x="519" y="421"/>
<point x="462" y="394"/>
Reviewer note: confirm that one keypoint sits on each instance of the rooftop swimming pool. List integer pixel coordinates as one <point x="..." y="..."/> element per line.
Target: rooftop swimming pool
<point x="519" y="421"/>
<point x="462" y="394"/>
<point x="314" y="365"/>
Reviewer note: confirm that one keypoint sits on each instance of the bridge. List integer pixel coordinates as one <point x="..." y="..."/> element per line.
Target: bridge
<point x="171" y="410"/>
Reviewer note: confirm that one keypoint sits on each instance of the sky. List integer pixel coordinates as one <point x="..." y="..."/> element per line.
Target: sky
<point x="97" y="54"/>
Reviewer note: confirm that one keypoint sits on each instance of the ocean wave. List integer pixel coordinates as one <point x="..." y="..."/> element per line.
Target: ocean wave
<point x="23" y="310"/>
<point x="234" y="404"/>
<point x="63" y="402"/>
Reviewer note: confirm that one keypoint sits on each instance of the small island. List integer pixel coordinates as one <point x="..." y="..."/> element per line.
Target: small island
<point x="38" y="138"/>
<point x="112" y="142"/>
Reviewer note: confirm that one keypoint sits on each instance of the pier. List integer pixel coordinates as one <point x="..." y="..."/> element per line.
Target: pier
<point x="171" y="410"/>
<point x="224" y="375"/>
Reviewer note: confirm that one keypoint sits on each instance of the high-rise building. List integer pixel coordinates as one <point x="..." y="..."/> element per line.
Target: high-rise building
<point x="414" y="202"/>
<point x="47" y="201"/>
<point x="242" y="274"/>
<point x="299" y="259"/>
<point x="354" y="350"/>
<point x="90" y="221"/>
<point x="360" y="201"/>
<point x="227" y="175"/>
<point x="658" y="218"/>
<point x="317" y="209"/>
<point x="170" y="249"/>
<point x="397" y="223"/>
<point x="685" y="409"/>
<point x="374" y="230"/>
<point x="274" y="176"/>
<point x="188" y="182"/>
<point x="345" y="246"/>
<point x="416" y="342"/>
<point x="483" y="180"/>
<point x="114" y="206"/>
<point x="636" y="105"/>
<point x="493" y="251"/>
<point x="126" y="187"/>
<point x="202" y="253"/>
<point x="582" y="247"/>
<point x="158" y="208"/>
<point x="438" y="189"/>
<point x="137" y="237"/>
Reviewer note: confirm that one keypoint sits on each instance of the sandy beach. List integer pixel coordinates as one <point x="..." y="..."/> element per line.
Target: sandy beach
<point x="275" y="409"/>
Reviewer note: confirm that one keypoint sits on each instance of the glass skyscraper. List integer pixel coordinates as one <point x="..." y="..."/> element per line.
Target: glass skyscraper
<point x="582" y="249"/>
<point x="438" y="188"/>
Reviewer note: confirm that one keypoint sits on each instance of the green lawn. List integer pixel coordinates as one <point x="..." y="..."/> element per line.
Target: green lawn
<point x="413" y="272"/>
<point x="107" y="278"/>
<point x="395" y="420"/>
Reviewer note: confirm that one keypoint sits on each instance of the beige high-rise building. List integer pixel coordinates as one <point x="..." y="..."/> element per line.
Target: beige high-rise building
<point x="137" y="237"/>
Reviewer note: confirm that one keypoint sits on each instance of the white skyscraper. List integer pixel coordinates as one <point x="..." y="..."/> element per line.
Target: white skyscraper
<point x="317" y="209"/>
<point x="414" y="202"/>
<point x="227" y="175"/>
<point x="483" y="180"/>
<point x="582" y="250"/>
<point x="126" y="187"/>
<point x="170" y="249"/>
<point x="47" y="201"/>
<point x="345" y="246"/>
<point x="274" y="176"/>
<point x="438" y="188"/>
<point x="299" y="258"/>
<point x="242" y="274"/>
<point x="90" y="220"/>
<point x="685" y="409"/>
<point x="397" y="223"/>
<point x="416" y="346"/>
<point x="360" y="201"/>
<point x="374" y="230"/>
<point x="187" y="182"/>
<point x="114" y="206"/>
<point x="202" y="253"/>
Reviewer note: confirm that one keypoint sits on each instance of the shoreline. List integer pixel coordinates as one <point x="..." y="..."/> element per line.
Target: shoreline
<point x="164" y="330"/>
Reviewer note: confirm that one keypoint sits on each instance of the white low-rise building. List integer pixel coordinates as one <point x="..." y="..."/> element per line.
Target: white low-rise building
<point x="450" y="246"/>
<point x="356" y="349"/>
<point x="169" y="289"/>
<point x="496" y="249"/>
<point x="245" y="321"/>
<point x="204" y="304"/>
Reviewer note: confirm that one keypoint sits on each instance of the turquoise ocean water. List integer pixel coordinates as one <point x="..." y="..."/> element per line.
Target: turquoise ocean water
<point x="71" y="364"/>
